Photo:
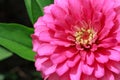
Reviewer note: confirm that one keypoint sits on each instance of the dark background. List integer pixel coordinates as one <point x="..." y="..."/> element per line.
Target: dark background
<point x="14" y="11"/>
<point x="16" y="68"/>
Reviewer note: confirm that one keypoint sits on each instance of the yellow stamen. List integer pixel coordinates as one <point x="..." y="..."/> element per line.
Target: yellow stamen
<point x="84" y="36"/>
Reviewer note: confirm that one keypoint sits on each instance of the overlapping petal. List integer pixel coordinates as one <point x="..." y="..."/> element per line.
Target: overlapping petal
<point x="78" y="40"/>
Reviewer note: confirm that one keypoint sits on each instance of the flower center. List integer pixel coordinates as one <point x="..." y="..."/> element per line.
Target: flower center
<point x="84" y="36"/>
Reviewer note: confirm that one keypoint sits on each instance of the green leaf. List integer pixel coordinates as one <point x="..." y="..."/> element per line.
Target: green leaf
<point x="16" y="38"/>
<point x="35" y="8"/>
<point x="43" y="3"/>
<point x="2" y="77"/>
<point x="4" y="53"/>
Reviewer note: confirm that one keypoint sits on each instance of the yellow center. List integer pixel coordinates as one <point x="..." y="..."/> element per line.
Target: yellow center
<point x="84" y="36"/>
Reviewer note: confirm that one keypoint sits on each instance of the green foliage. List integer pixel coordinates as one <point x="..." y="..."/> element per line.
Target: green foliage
<point x="43" y="3"/>
<point x="2" y="77"/>
<point x="4" y="53"/>
<point x="35" y="8"/>
<point x="16" y="38"/>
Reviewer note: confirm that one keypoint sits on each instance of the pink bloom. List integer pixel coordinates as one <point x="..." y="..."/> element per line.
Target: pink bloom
<point x="78" y="40"/>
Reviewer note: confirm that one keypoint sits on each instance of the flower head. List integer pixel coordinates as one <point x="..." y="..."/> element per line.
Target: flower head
<point x="78" y="40"/>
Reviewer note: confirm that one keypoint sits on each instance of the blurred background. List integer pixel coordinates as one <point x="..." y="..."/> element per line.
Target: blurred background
<point x="14" y="67"/>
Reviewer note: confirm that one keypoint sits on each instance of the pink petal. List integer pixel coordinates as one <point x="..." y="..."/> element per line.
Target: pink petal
<point x="108" y="76"/>
<point x="57" y="58"/>
<point x="58" y="35"/>
<point x="83" y="55"/>
<point x="90" y="58"/>
<point x="75" y="7"/>
<point x="114" y="67"/>
<point x="40" y="23"/>
<point x="58" y="12"/>
<point x="61" y="69"/>
<point x="53" y="76"/>
<point x="99" y="71"/>
<point x="101" y="58"/>
<point x="117" y="76"/>
<point x="60" y="43"/>
<point x="97" y="5"/>
<point x="50" y="70"/>
<point x="117" y="48"/>
<point x="62" y="3"/>
<point x="117" y="3"/>
<point x="75" y="73"/>
<point x="47" y="9"/>
<point x="87" y="69"/>
<point x="42" y="49"/>
<point x="39" y="62"/>
<point x="47" y="64"/>
<point x="52" y="27"/>
<point x="118" y="35"/>
<point x="85" y="8"/>
<point x="74" y="61"/>
<point x="108" y="43"/>
<point x="35" y="42"/>
<point x="65" y="76"/>
<point x="70" y="53"/>
<point x="114" y="55"/>
<point x="69" y="20"/>
<point x="45" y="36"/>
<point x="108" y="39"/>
<point x="47" y="67"/>
<point x="108" y="5"/>
<point x="48" y="19"/>
<point x="40" y="26"/>
<point x="86" y="77"/>
<point x="108" y="25"/>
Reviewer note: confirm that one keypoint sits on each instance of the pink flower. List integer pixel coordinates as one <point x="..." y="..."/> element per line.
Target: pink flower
<point x="78" y="40"/>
